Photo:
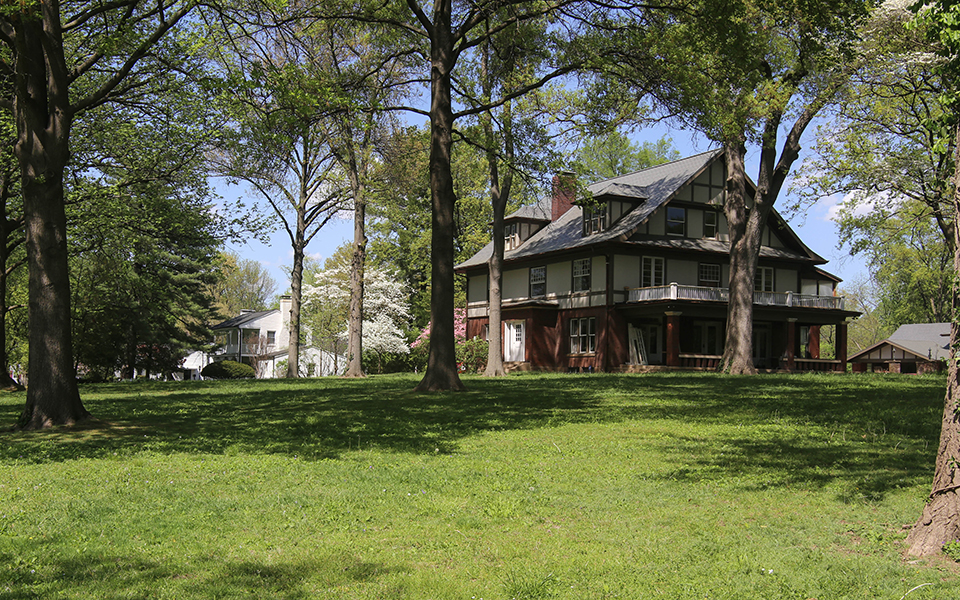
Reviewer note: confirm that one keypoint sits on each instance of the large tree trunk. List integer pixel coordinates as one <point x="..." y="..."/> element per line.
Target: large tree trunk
<point x="940" y="521"/>
<point x="42" y="110"/>
<point x="355" y="324"/>
<point x="495" y="351"/>
<point x="296" y="295"/>
<point x="738" y="346"/>
<point x="441" y="373"/>
<point x="499" y="195"/>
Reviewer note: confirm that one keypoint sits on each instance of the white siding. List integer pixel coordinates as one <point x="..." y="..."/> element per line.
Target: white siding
<point x="695" y="223"/>
<point x="477" y="288"/>
<point x="559" y="278"/>
<point x="683" y="272"/>
<point x="598" y="274"/>
<point x="785" y="280"/>
<point x="516" y="283"/>
<point x="626" y="272"/>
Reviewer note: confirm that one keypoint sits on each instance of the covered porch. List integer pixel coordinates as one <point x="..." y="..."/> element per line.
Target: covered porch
<point x="689" y="334"/>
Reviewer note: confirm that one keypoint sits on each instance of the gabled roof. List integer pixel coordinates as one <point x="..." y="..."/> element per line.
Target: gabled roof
<point x="541" y="211"/>
<point x="926" y="340"/>
<point x="243" y="319"/>
<point x="649" y="189"/>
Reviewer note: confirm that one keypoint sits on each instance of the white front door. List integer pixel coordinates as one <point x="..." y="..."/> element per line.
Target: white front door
<point x="513" y="347"/>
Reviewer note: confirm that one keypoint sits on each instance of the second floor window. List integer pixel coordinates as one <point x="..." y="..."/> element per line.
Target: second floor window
<point x="763" y="280"/>
<point x="710" y="224"/>
<point x="581" y="275"/>
<point x="709" y="275"/>
<point x="594" y="219"/>
<point x="538" y="281"/>
<point x="652" y="272"/>
<point x="271" y="338"/>
<point x="676" y="221"/>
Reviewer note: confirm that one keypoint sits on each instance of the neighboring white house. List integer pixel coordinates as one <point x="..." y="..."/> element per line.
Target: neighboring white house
<point x="261" y="339"/>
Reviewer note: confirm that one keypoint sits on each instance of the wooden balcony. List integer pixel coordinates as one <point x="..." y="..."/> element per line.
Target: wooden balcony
<point x="675" y="291"/>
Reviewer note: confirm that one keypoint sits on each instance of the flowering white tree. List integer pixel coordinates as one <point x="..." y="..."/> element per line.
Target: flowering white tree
<point x="385" y="307"/>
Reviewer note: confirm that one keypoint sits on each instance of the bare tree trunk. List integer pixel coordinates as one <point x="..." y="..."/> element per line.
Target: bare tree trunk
<point x="940" y="521"/>
<point x="441" y="373"/>
<point x="498" y="197"/>
<point x="43" y="114"/>
<point x="355" y="324"/>
<point x="738" y="347"/>
<point x="296" y="294"/>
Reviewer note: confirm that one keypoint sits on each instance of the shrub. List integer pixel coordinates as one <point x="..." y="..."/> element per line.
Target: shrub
<point x="227" y="369"/>
<point x="472" y="355"/>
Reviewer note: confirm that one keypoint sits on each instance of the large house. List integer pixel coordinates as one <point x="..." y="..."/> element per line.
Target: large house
<point x="635" y="279"/>
<point x="261" y="339"/>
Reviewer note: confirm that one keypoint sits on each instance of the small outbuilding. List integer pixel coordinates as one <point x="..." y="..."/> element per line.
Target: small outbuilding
<point x="915" y="348"/>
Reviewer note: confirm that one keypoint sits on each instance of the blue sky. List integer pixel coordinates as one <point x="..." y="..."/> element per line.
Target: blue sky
<point x="814" y="226"/>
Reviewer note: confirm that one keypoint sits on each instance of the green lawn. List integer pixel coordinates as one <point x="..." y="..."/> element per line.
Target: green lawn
<point x="531" y="486"/>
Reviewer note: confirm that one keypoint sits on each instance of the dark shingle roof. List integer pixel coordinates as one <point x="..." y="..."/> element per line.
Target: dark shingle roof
<point x="541" y="211"/>
<point x="242" y="319"/>
<point x="924" y="339"/>
<point x="655" y="186"/>
<point x="928" y="340"/>
<point x="650" y="189"/>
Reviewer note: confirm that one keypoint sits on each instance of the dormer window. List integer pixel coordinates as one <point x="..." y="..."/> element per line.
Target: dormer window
<point x="594" y="219"/>
<point x="511" y="236"/>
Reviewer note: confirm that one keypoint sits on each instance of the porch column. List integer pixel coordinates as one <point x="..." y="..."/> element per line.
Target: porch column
<point x="814" y="343"/>
<point x="673" y="338"/>
<point x="791" y="344"/>
<point x="842" y="345"/>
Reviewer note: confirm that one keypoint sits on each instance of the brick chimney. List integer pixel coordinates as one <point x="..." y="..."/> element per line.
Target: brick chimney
<point x="564" y="193"/>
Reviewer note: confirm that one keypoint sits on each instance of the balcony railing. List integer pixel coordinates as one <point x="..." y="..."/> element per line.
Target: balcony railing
<point x="675" y="291"/>
<point x="247" y="349"/>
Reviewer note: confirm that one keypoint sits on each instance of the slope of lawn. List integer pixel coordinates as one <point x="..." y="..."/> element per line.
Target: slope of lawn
<point x="531" y="486"/>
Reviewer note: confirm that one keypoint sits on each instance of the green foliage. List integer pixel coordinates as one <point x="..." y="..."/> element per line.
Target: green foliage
<point x="614" y="154"/>
<point x="242" y="284"/>
<point x="472" y="355"/>
<point x="400" y="211"/>
<point x="952" y="549"/>
<point x="909" y="261"/>
<point x="228" y="369"/>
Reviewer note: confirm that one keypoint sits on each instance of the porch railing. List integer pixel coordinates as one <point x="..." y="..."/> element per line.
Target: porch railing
<point x="675" y="291"/>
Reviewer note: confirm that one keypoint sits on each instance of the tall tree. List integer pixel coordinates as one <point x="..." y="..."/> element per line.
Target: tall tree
<point x="445" y="32"/>
<point x="356" y="75"/>
<point x="939" y="522"/>
<point x="740" y="71"/>
<point x="66" y="58"/>
<point x="876" y="151"/>
<point x="515" y="143"/>
<point x="280" y="147"/>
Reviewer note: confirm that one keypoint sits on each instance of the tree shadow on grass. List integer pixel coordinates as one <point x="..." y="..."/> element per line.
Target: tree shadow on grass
<point x="113" y="576"/>
<point x="876" y="431"/>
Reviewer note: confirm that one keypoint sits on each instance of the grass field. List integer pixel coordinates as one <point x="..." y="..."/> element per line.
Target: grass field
<point x="530" y="486"/>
